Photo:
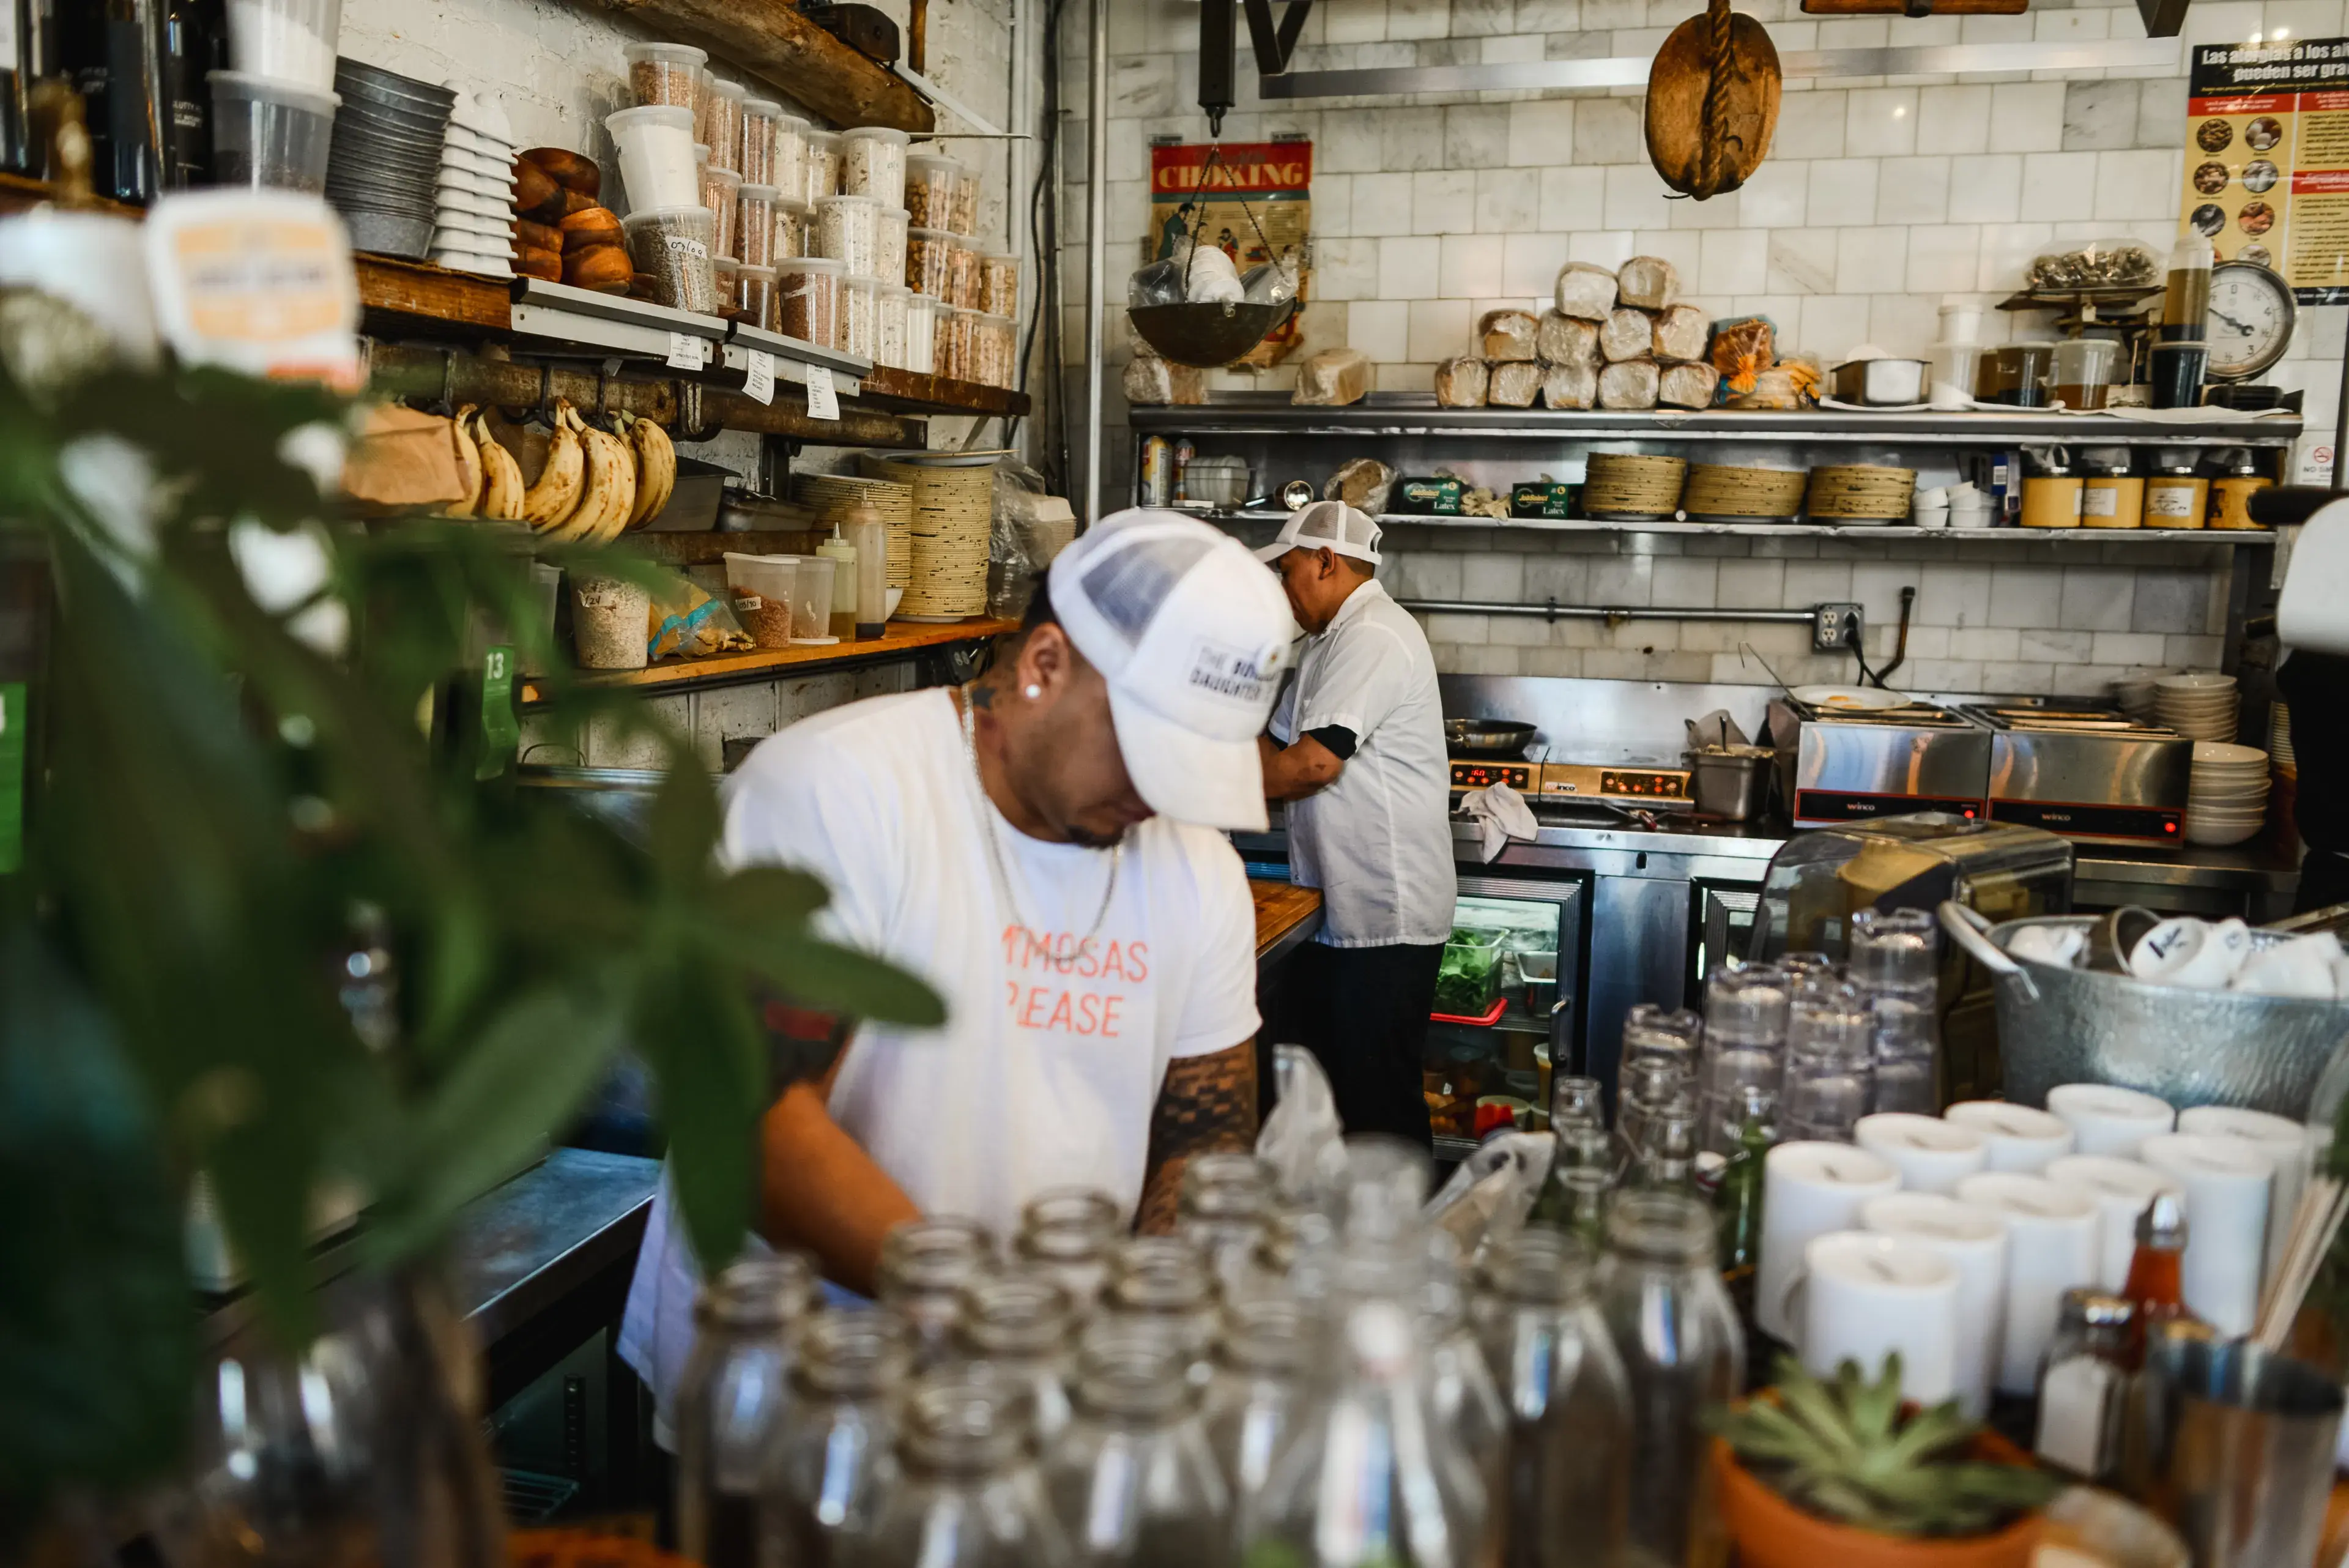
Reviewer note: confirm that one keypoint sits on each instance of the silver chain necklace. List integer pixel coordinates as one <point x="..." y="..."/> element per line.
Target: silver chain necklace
<point x="987" y="814"/>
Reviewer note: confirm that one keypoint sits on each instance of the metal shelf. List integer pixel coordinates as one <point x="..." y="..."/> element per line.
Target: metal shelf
<point x="1407" y="414"/>
<point x="2259" y="538"/>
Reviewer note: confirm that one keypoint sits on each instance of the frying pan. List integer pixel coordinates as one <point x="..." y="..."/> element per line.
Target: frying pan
<point x="1487" y="737"/>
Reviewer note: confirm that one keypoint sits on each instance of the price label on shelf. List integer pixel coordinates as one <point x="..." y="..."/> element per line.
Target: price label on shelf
<point x="824" y="403"/>
<point x="759" y="379"/>
<point x="683" y="351"/>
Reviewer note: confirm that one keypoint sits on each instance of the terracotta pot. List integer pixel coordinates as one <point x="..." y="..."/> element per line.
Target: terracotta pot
<point x="1771" y="1533"/>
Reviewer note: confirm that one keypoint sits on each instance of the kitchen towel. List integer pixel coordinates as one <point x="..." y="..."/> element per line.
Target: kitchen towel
<point x="1501" y="814"/>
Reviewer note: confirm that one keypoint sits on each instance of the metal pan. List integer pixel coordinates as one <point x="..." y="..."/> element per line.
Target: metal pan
<point x="1487" y="737"/>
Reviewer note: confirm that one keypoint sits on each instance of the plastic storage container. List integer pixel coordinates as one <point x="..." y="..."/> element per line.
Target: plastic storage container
<point x="952" y="336"/>
<point x="724" y="271"/>
<point x="721" y="193"/>
<point x="665" y="74"/>
<point x="873" y="163"/>
<point x="754" y="225"/>
<point x="889" y="229"/>
<point x="761" y="589"/>
<point x="920" y="332"/>
<point x="2082" y="370"/>
<point x="271" y="133"/>
<point x="930" y="179"/>
<point x="657" y="164"/>
<point x="998" y="284"/>
<point x="1469" y="980"/>
<point x="292" y="42"/>
<point x="993" y="344"/>
<point x="670" y="245"/>
<point x="889" y="325"/>
<point x="962" y="276"/>
<point x="847" y="229"/>
<point x="2016" y="374"/>
<point x="2110" y="495"/>
<point x="812" y="600"/>
<point x="807" y="300"/>
<point x="790" y="227"/>
<point x="722" y="125"/>
<point x="928" y="268"/>
<point x="754" y="294"/>
<point x="822" y="164"/>
<point x="860" y="315"/>
<point x="759" y="116"/>
<point x="789" y="174"/>
<point x="965" y="202"/>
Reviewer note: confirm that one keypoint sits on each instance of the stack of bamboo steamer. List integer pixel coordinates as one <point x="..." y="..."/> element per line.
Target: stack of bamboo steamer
<point x="952" y="508"/>
<point x="1861" y="492"/>
<point x="832" y="496"/>
<point x="1632" y="484"/>
<point x="1716" y="490"/>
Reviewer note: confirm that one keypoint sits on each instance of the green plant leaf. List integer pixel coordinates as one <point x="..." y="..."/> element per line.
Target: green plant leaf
<point x="828" y="976"/>
<point x="693" y="1026"/>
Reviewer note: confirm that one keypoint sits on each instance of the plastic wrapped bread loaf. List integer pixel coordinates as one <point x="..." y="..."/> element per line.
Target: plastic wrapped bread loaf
<point x="1585" y="291"/>
<point x="1569" y="386"/>
<point x="1682" y="332"/>
<point x="1460" y="383"/>
<point x="1564" y="339"/>
<point x="1362" y="485"/>
<point x="1687" y="385"/>
<point x="1514" y="384"/>
<point x="1506" y="335"/>
<point x="1630" y="384"/>
<point x="1649" y="282"/>
<point x="1626" y="334"/>
<point x="1333" y="378"/>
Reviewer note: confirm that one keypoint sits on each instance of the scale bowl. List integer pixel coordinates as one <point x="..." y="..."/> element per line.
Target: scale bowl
<point x="1209" y="334"/>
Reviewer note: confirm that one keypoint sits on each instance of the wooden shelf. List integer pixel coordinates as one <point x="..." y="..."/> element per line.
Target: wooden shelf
<point x="726" y="669"/>
<point x="399" y="298"/>
<point x="915" y="392"/>
<point x="771" y="39"/>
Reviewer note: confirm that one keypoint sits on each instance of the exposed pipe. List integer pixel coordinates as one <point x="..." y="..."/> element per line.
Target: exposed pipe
<point x="2340" y="423"/>
<point x="1552" y="610"/>
<point x="1096" y="251"/>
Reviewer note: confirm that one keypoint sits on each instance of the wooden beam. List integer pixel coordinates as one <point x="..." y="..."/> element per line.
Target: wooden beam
<point x="771" y="39"/>
<point x="405" y="297"/>
<point x="914" y="391"/>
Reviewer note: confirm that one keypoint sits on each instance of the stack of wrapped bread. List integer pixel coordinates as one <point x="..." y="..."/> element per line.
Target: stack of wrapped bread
<point x="1614" y="339"/>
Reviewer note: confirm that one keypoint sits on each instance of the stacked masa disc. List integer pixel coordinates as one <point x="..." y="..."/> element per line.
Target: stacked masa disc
<point x="954" y="505"/>
<point x="1632" y="484"/>
<point x="1860" y="492"/>
<point x="832" y="496"/>
<point x="1717" y="490"/>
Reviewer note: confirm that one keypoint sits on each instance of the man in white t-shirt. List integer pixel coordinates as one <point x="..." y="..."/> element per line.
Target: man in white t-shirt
<point x="1042" y="847"/>
<point x="1357" y="751"/>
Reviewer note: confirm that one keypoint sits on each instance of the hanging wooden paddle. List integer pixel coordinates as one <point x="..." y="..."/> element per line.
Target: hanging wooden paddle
<point x="1712" y="102"/>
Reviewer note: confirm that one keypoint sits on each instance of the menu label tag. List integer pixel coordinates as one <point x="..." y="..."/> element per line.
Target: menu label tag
<point x="823" y="403"/>
<point x="758" y="382"/>
<point x="683" y="351"/>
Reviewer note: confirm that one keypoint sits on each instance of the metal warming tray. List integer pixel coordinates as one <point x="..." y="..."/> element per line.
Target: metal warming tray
<point x="2087" y="772"/>
<point x="1840" y="766"/>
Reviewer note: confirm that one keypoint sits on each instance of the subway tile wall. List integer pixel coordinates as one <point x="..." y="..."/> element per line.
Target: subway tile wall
<point x="1881" y="200"/>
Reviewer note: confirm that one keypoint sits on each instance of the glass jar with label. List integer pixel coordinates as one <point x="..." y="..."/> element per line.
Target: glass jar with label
<point x="2231" y="491"/>
<point x="2051" y="489"/>
<point x="2110" y="495"/>
<point x="2174" y="496"/>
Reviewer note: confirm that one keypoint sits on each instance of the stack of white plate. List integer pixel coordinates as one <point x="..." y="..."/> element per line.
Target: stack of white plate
<point x="472" y="209"/>
<point x="2136" y="697"/>
<point x="2198" y="704"/>
<point x="2227" y="794"/>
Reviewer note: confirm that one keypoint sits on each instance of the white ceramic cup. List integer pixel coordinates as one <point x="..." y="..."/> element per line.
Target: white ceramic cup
<point x="1931" y="1154"/>
<point x="2059" y="945"/>
<point x="2105" y="1118"/>
<point x="2123" y="1190"/>
<point x="1974" y="1238"/>
<point x="1865" y="1296"/>
<point x="2227" y="1182"/>
<point x="2021" y="1140"/>
<point x="2186" y="951"/>
<point x="2301" y="967"/>
<point x="2052" y="1235"/>
<point x="2282" y="1140"/>
<point x="1808" y="1189"/>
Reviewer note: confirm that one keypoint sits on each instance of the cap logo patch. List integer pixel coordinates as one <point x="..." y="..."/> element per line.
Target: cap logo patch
<point x="1233" y="672"/>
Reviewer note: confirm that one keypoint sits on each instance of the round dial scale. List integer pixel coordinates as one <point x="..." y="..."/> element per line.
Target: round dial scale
<point x="2249" y="320"/>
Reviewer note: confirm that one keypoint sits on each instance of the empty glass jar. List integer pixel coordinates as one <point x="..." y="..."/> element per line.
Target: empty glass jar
<point x="925" y="1265"/>
<point x="1250" y="1404"/>
<point x="1071" y="1231"/>
<point x="968" y="1495"/>
<point x="837" y="1451"/>
<point x="1132" y="1480"/>
<point x="1221" y="1209"/>
<point x="1163" y="1281"/>
<point x="1021" y="1321"/>
<point x="730" y="1408"/>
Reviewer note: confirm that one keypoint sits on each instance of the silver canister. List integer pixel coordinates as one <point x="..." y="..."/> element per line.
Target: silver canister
<point x="1730" y="782"/>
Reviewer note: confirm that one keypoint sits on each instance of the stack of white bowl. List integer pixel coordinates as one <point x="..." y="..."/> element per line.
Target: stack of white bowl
<point x="2136" y="697"/>
<point x="472" y="211"/>
<point x="2227" y="794"/>
<point x="2198" y="704"/>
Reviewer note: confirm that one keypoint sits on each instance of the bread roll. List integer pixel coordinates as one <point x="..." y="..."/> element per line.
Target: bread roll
<point x="1649" y="282"/>
<point x="603" y="268"/>
<point x="1626" y="334"/>
<point x="533" y="263"/>
<point x="1506" y="335"/>
<point x="1333" y="378"/>
<point x="568" y="170"/>
<point x="1362" y="485"/>
<point x="1147" y="381"/>
<point x="1569" y="386"/>
<point x="1630" y="384"/>
<point x="1564" y="339"/>
<point x="1687" y="385"/>
<point x="1514" y="384"/>
<point x="1585" y="291"/>
<point x="1461" y="383"/>
<point x="1682" y="332"/>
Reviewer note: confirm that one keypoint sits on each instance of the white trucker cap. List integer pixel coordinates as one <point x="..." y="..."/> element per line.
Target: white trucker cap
<point x="1191" y="634"/>
<point x="1330" y="525"/>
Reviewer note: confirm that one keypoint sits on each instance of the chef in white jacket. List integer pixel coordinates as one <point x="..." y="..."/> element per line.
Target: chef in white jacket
<point x="1356" y="751"/>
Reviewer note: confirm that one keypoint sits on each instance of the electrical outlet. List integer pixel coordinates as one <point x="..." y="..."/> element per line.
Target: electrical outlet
<point x="1834" y="626"/>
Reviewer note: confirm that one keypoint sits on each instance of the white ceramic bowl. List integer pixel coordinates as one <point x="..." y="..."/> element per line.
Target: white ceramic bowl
<point x="2221" y="753"/>
<point x="2197" y="680"/>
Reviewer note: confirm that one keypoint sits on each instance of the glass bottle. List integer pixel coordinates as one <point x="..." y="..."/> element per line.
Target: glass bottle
<point x="1132" y="1480"/>
<point x="1576" y="1101"/>
<point x="1250" y="1404"/>
<point x="925" y="1265"/>
<point x="195" y="44"/>
<point x="1565" y="1485"/>
<point x="1682" y="1356"/>
<point x="1071" y="1231"/>
<point x="1163" y="1281"/>
<point x="2156" y="1283"/>
<point x="968" y="1494"/>
<point x="871" y="537"/>
<point x="112" y="51"/>
<point x="1460" y="1388"/>
<point x="842" y="552"/>
<point x="1737" y="1200"/>
<point x="837" y="1455"/>
<point x="1021" y="1321"/>
<point x="730" y="1408"/>
<point x="1666" y="1161"/>
<point x="1221" y="1209"/>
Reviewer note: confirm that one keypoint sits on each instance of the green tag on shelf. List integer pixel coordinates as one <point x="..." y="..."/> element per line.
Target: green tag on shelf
<point x="11" y="776"/>
<point x="501" y="731"/>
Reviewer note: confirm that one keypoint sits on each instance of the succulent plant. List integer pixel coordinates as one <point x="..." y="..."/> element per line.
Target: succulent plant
<point x="1844" y="1449"/>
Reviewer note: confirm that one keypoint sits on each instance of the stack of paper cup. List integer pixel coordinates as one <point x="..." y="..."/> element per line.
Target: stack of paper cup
<point x="1974" y="1240"/>
<point x="2021" y="1140"/>
<point x="2122" y="1190"/>
<point x="2105" y="1118"/>
<point x="2282" y="1140"/>
<point x="1932" y="1155"/>
<point x="2051" y="1236"/>
<point x="1866" y="1296"/>
<point x="2227" y="1181"/>
<point x="1809" y="1189"/>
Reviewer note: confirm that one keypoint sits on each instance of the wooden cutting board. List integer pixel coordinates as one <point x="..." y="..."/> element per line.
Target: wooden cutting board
<point x="1745" y="115"/>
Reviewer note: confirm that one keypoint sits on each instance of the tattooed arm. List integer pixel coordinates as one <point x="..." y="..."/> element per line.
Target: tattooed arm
<point x="1207" y="1104"/>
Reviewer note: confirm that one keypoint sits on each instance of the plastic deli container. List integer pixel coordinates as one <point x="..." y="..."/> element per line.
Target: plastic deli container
<point x="762" y="587"/>
<point x="921" y="333"/>
<point x="822" y="164"/>
<point x="790" y="175"/>
<point x="952" y="335"/>
<point x="889" y="230"/>
<point x="720" y="190"/>
<point x="998" y="284"/>
<point x="930" y="179"/>
<point x="812" y="598"/>
<point x="722" y="123"/>
<point x="807" y="300"/>
<point x="927" y="267"/>
<point x="873" y="163"/>
<point x="271" y="133"/>
<point x="291" y="41"/>
<point x="848" y="230"/>
<point x="665" y="74"/>
<point x="757" y="163"/>
<point x="966" y="200"/>
<point x="754" y="225"/>
<point x="655" y="145"/>
<point x="993" y="342"/>
<point x="889" y="325"/>
<point x="670" y="245"/>
<point x="962" y="277"/>
<point x="860" y="315"/>
<point x="791" y="228"/>
<point x="754" y="294"/>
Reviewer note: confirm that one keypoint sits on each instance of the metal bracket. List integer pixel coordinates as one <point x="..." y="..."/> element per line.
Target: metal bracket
<point x="1277" y="46"/>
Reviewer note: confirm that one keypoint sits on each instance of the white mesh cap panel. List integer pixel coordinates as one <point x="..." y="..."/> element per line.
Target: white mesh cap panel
<point x="1329" y="525"/>
<point x="1127" y="586"/>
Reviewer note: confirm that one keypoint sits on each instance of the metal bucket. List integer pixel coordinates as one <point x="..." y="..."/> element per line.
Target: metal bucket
<point x="2059" y="1025"/>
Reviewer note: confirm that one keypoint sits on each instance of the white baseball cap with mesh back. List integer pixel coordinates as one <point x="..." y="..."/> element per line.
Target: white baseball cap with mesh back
<point x="1330" y="525"/>
<point x="1191" y="634"/>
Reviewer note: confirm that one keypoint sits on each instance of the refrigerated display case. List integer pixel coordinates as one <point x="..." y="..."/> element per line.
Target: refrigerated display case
<point x="1504" y="1007"/>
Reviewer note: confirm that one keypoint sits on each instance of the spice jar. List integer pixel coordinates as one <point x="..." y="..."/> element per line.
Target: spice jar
<point x="722" y="127"/>
<point x="2051" y="489"/>
<point x="2085" y="1384"/>
<point x="754" y="225"/>
<point x="807" y="300"/>
<point x="2110" y="495"/>
<point x="2174" y="496"/>
<point x="873" y="163"/>
<point x="721" y="193"/>
<point x="2230" y="493"/>
<point x="822" y="164"/>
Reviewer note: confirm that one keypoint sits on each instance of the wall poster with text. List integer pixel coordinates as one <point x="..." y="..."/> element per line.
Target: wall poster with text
<point x="2267" y="159"/>
<point x="1258" y="206"/>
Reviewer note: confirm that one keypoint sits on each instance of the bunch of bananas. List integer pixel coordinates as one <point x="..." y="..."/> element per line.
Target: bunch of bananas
<point x="594" y="487"/>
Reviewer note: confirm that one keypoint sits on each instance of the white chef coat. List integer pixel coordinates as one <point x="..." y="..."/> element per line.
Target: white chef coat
<point x="1378" y="840"/>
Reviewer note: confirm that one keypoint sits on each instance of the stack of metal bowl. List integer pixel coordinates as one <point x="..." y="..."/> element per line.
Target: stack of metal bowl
<point x="387" y="153"/>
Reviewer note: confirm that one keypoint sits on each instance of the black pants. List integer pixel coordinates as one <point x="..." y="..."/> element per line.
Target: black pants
<point x="1362" y="1011"/>
<point x="2323" y="882"/>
